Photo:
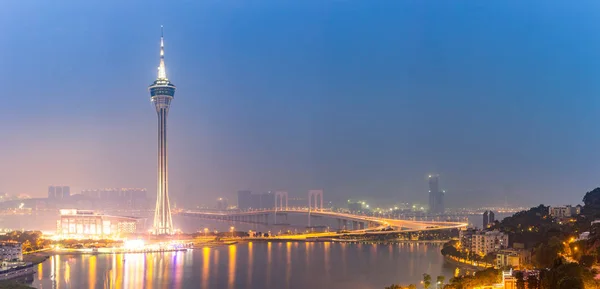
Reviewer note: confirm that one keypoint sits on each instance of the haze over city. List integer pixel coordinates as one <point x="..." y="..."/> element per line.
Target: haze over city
<point x="355" y="97"/>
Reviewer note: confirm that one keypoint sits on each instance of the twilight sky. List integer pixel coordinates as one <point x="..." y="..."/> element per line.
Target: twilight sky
<point x="361" y="98"/>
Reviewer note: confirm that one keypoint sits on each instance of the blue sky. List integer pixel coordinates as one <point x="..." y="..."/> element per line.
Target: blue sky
<point x="361" y="98"/>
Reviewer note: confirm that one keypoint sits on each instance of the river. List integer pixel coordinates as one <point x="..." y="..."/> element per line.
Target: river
<point x="254" y="265"/>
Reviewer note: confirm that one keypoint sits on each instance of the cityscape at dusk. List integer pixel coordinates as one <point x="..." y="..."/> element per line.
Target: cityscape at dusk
<point x="307" y="144"/>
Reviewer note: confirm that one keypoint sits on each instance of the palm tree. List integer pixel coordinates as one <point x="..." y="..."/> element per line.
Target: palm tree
<point x="440" y="281"/>
<point x="426" y="280"/>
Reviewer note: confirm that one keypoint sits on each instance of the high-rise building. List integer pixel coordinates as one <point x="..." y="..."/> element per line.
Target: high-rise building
<point x="483" y="242"/>
<point x="244" y="199"/>
<point x="162" y="92"/>
<point x="66" y="192"/>
<point x="486" y="219"/>
<point x="59" y="192"/>
<point x="51" y="192"/>
<point x="222" y="204"/>
<point x="122" y="198"/>
<point x="248" y="200"/>
<point x="436" y="196"/>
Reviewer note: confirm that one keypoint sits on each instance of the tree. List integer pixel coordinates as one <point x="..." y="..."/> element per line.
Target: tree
<point x="426" y="280"/>
<point x="587" y="261"/>
<point x="532" y="282"/>
<point x="520" y="280"/>
<point x="394" y="286"/>
<point x="570" y="283"/>
<point x="412" y="286"/>
<point x="440" y="281"/>
<point x="591" y="203"/>
<point x="546" y="253"/>
<point x="27" y="246"/>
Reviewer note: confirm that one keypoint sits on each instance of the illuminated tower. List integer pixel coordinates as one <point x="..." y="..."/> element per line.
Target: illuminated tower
<point x="161" y="94"/>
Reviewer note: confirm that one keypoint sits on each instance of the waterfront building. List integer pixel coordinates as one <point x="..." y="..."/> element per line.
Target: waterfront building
<point x="162" y="92"/>
<point x="436" y="196"/>
<point x="90" y="224"/>
<point x="11" y="251"/>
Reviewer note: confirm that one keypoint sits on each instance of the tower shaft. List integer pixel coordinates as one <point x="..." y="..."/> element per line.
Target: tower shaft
<point x="163" y="224"/>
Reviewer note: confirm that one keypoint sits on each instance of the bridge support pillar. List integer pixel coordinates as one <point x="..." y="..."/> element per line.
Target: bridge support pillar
<point x="361" y="226"/>
<point x="354" y="225"/>
<point x="281" y="200"/>
<point x="316" y="196"/>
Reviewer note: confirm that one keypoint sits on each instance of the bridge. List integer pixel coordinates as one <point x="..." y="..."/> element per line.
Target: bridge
<point x="349" y="224"/>
<point x="354" y="224"/>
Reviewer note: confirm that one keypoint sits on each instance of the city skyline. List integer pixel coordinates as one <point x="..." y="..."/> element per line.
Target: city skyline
<point x="297" y="112"/>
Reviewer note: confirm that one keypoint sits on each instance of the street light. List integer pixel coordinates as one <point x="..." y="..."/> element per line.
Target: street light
<point x="231" y="229"/>
<point x="205" y="232"/>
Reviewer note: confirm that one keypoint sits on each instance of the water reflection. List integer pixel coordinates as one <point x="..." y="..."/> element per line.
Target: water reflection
<point x="179" y="258"/>
<point x="250" y="264"/>
<point x="291" y="265"/>
<point x="326" y="254"/>
<point x="149" y="271"/>
<point x="205" y="266"/>
<point x="269" y="259"/>
<point x="92" y="272"/>
<point x="288" y="263"/>
<point x="67" y="273"/>
<point x="216" y="263"/>
<point x="232" y="260"/>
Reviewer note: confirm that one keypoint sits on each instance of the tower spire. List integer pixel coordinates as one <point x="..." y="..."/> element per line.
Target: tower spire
<point x="162" y="72"/>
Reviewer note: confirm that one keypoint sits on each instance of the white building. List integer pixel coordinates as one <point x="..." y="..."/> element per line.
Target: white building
<point x="484" y="242"/>
<point x="514" y="258"/>
<point x="11" y="252"/>
<point x="564" y="211"/>
<point x="86" y="223"/>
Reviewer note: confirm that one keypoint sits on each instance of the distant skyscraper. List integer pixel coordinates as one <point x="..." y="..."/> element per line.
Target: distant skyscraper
<point x="66" y="191"/>
<point x="222" y="204"/>
<point x="51" y="192"/>
<point x="486" y="219"/>
<point x="436" y="196"/>
<point x="162" y="92"/>
<point x="248" y="200"/>
<point x="244" y="200"/>
<point x="59" y="192"/>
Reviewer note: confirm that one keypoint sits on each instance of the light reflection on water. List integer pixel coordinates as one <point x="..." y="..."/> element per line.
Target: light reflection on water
<point x="255" y="265"/>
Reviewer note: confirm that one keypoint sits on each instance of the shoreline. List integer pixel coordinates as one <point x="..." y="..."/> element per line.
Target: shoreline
<point x="463" y="265"/>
